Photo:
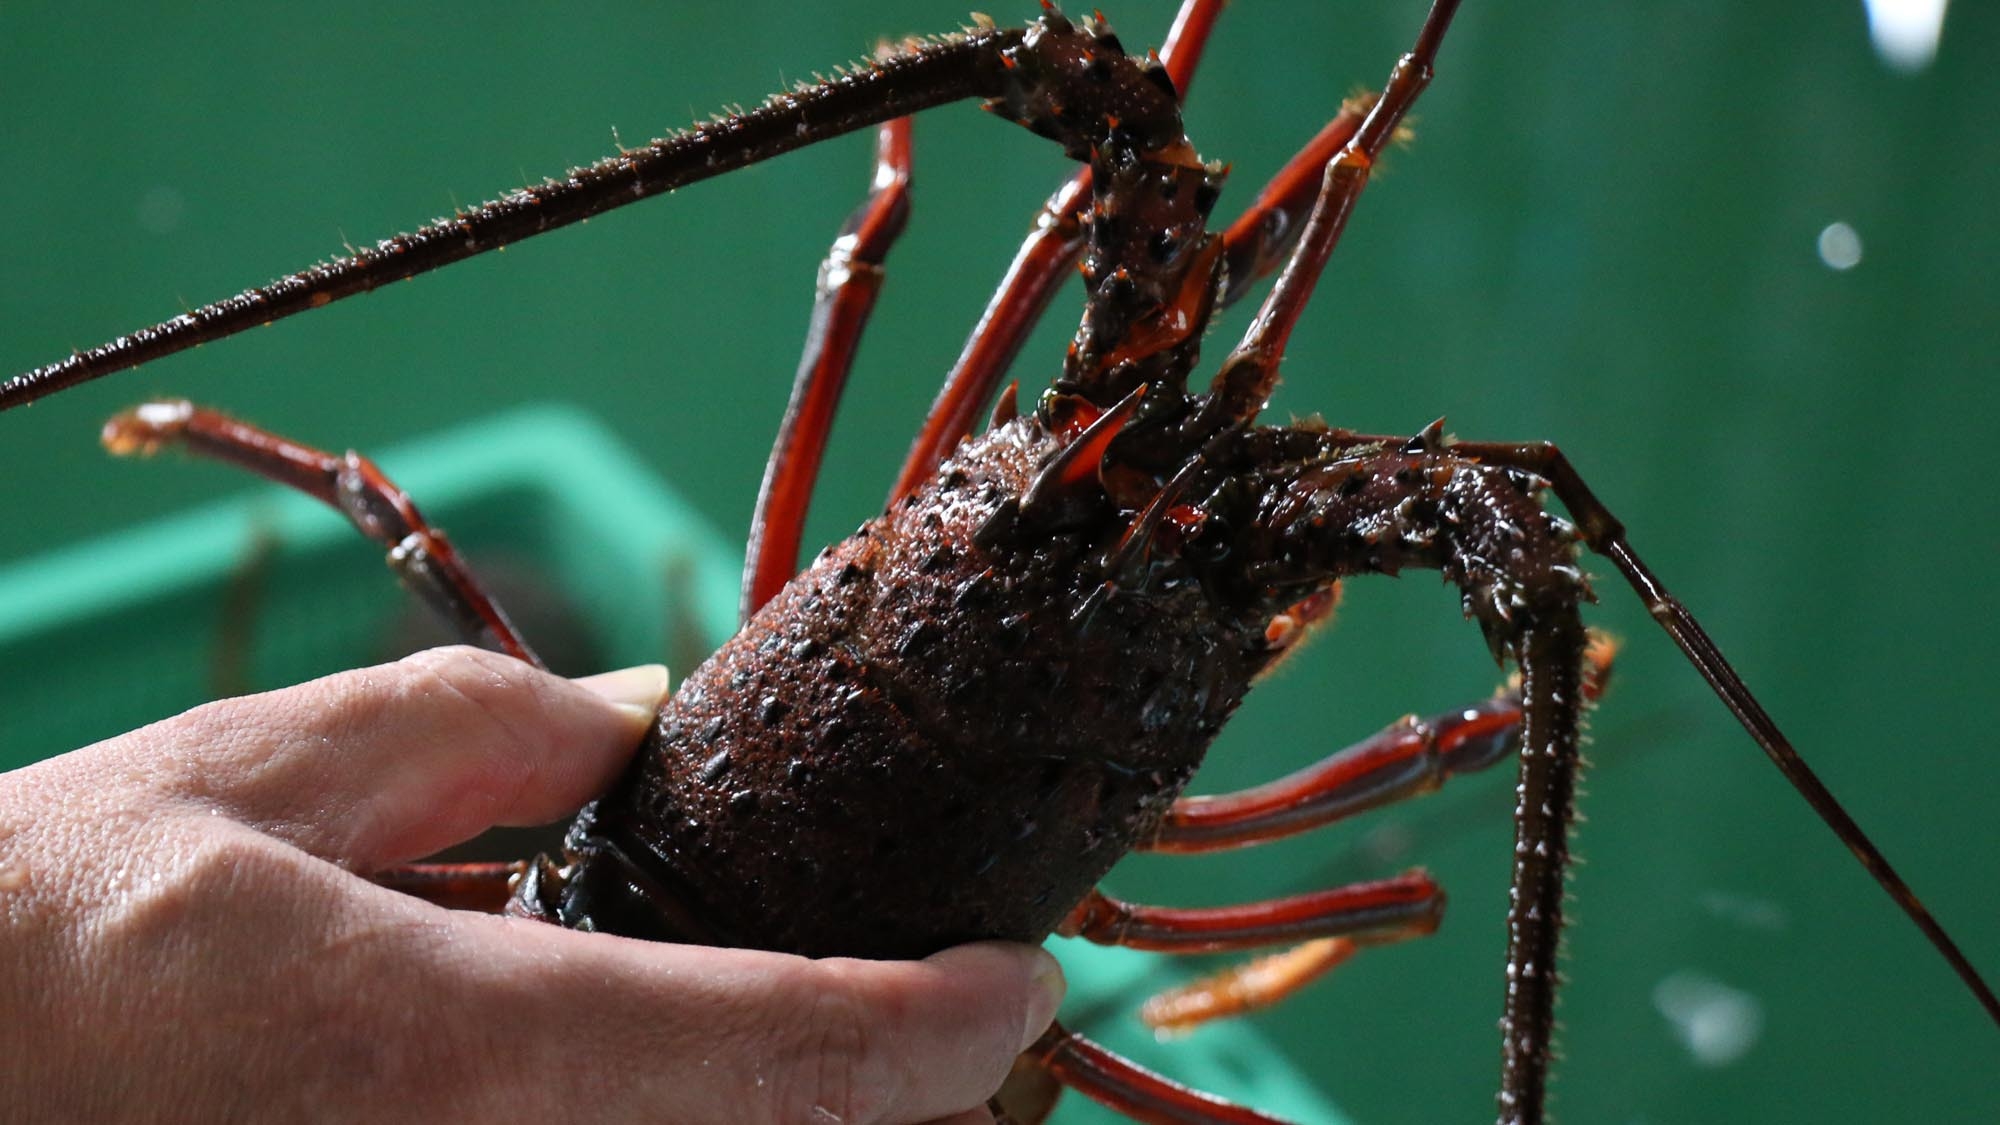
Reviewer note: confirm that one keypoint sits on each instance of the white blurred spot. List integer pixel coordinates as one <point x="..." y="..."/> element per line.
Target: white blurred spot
<point x="1840" y="246"/>
<point x="1906" y="32"/>
<point x="160" y="210"/>
<point x="1388" y="843"/>
<point x="164" y="414"/>
<point x="1716" y="1023"/>
<point x="1747" y="911"/>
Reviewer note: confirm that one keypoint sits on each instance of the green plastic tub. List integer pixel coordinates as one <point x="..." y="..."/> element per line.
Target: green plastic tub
<point x="600" y="563"/>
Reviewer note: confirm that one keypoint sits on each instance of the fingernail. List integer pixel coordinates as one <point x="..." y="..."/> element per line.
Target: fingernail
<point x="1050" y="987"/>
<point x="637" y="691"/>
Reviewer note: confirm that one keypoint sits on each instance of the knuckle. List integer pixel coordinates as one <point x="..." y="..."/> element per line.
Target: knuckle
<point x="451" y="677"/>
<point x="474" y="673"/>
<point x="205" y="722"/>
<point x="494" y="695"/>
<point x="195" y="753"/>
<point x="237" y="865"/>
<point x="833" y="1057"/>
<point x="496" y="688"/>
<point x="188" y="875"/>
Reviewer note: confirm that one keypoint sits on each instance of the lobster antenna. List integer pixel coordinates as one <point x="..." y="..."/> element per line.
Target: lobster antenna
<point x="927" y="74"/>
<point x="1605" y="534"/>
<point x="1708" y="660"/>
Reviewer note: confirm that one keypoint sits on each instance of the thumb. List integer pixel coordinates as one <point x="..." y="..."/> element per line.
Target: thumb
<point x="734" y="1035"/>
<point x="386" y="764"/>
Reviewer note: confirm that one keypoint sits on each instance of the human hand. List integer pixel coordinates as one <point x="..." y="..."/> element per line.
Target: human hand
<point x="183" y="934"/>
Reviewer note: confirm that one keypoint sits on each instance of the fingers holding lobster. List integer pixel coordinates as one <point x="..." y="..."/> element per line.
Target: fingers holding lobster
<point x="382" y="765"/>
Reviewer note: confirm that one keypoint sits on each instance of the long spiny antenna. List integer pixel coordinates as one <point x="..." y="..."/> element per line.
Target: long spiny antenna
<point x="929" y="74"/>
<point x="1605" y="534"/>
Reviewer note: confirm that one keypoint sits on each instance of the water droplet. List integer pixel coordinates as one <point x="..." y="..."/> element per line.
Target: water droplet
<point x="160" y="210"/>
<point x="1840" y="246"/>
<point x="1906" y="32"/>
<point x="1716" y="1023"/>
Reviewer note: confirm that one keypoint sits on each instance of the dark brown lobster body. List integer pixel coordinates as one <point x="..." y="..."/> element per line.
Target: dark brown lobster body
<point x="948" y="727"/>
<point x="919" y="741"/>
<point x="952" y="725"/>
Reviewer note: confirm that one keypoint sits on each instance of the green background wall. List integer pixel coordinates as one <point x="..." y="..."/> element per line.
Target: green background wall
<point x="1604" y="235"/>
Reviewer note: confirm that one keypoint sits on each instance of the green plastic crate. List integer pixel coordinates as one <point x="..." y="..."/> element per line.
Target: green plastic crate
<point x="118" y="632"/>
<point x="121" y="631"/>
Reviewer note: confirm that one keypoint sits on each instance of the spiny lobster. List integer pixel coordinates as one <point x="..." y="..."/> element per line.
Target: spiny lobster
<point x="1161" y="483"/>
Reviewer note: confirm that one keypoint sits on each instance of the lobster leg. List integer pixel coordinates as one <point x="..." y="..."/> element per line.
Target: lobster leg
<point x="351" y="484"/>
<point x="1256" y="243"/>
<point x="1285" y="630"/>
<point x="229" y="663"/>
<point x="1251" y="372"/>
<point x="481" y="887"/>
<point x="1039" y="268"/>
<point x="1407" y="759"/>
<point x="1406" y="906"/>
<point x="1131" y="1089"/>
<point x="848" y="282"/>
<point x="1247" y="987"/>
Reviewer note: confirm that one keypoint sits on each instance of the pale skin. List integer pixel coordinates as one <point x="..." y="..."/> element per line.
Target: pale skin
<point x="183" y="935"/>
